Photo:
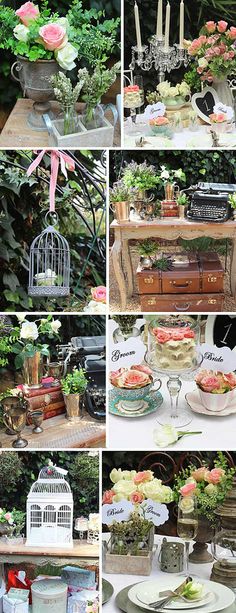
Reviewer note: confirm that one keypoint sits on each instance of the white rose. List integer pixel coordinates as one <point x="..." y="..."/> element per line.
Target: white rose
<point x="124" y="488"/>
<point x="164" y="89"/>
<point x="117" y="475"/>
<point x="165" y="435"/>
<point x="21" y="32"/>
<point x="95" y="307"/>
<point x="202" y="62"/>
<point x="21" y="317"/>
<point x="55" y="325"/>
<point x="173" y="91"/>
<point x="193" y="590"/>
<point x="184" y="88"/>
<point x="29" y="330"/>
<point x="165" y="174"/>
<point x="156" y="491"/>
<point x="66" y="56"/>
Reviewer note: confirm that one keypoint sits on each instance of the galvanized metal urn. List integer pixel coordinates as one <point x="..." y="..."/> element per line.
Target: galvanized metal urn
<point x="34" y="78"/>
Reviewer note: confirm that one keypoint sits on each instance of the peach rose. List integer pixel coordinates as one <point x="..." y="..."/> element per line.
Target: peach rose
<point x="222" y="26"/>
<point x="210" y="26"/>
<point x="53" y="36"/>
<point x="135" y="378"/>
<point x="161" y="335"/>
<point x="200" y="474"/>
<point x="159" y="121"/>
<point x="142" y="368"/>
<point x="108" y="497"/>
<point x="136" y="497"/>
<point x="188" y="489"/>
<point x="215" y="475"/>
<point x="230" y="378"/>
<point x="143" y="476"/>
<point x="99" y="293"/>
<point x="115" y="374"/>
<point x="210" y="383"/>
<point x="232" y="33"/>
<point x="27" y="12"/>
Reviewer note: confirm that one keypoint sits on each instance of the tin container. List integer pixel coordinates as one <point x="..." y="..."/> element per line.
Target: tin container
<point x="49" y="596"/>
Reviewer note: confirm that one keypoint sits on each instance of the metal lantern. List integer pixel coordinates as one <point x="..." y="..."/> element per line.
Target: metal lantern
<point x="50" y="511"/>
<point x="49" y="267"/>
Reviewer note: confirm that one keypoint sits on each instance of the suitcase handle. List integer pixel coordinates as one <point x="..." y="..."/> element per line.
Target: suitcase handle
<point x="180" y="284"/>
<point x="185" y="307"/>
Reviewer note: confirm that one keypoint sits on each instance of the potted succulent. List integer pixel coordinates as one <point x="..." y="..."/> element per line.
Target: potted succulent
<point x="232" y="202"/>
<point x="73" y="387"/>
<point x="164" y="262"/>
<point x="147" y="250"/>
<point x="182" y="201"/>
<point x="120" y="201"/>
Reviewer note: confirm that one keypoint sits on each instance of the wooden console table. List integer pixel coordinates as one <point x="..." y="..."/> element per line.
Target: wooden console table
<point x="81" y="554"/>
<point x="167" y="229"/>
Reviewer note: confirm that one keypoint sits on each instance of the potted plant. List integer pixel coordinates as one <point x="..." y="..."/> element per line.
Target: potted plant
<point x="73" y="386"/>
<point x="172" y="96"/>
<point x="147" y="250"/>
<point x="168" y="178"/>
<point x="215" y="57"/>
<point x="130" y="547"/>
<point x="164" y="262"/>
<point x="126" y="327"/>
<point x="182" y="201"/>
<point x="232" y="202"/>
<point x="210" y="486"/>
<point x="11" y="525"/>
<point x="120" y="201"/>
<point x="140" y="178"/>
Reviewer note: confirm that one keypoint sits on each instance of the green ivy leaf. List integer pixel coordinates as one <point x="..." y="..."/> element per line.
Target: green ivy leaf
<point x="11" y="280"/>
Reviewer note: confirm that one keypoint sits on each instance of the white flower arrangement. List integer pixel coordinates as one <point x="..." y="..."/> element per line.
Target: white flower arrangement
<point x="166" y="90"/>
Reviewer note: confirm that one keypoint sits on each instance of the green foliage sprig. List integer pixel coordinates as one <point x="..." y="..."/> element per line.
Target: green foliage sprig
<point x="140" y="176"/>
<point x="75" y="382"/>
<point x="95" y="85"/>
<point x="147" y="247"/>
<point x="64" y="91"/>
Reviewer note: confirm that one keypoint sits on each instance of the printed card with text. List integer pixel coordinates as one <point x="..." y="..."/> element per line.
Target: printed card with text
<point x="215" y="358"/>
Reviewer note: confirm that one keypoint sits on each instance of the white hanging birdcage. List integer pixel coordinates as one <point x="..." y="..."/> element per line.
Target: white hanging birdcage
<point x="49" y="265"/>
<point x="50" y="511"/>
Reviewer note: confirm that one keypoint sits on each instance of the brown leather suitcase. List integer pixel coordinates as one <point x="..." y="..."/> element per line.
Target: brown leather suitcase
<point x="202" y="273"/>
<point x="170" y="303"/>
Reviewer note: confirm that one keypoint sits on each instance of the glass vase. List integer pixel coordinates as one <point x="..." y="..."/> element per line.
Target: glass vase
<point x="70" y="119"/>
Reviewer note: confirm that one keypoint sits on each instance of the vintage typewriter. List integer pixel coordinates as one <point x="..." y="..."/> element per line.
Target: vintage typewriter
<point x="209" y="201"/>
<point x="89" y="353"/>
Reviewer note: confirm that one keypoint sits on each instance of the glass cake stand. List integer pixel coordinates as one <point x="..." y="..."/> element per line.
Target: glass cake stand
<point x="174" y="384"/>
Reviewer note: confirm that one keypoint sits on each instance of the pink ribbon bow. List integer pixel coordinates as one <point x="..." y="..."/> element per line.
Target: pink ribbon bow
<point x="57" y="157"/>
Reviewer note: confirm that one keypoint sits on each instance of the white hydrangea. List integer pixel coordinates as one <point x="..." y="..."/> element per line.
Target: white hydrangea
<point x="95" y="307"/>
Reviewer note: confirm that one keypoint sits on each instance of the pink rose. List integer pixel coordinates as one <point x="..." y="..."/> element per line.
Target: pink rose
<point x="231" y="54"/>
<point x="108" y="497"/>
<point x="213" y="39"/>
<point x="136" y="497"/>
<point x="188" y="489"/>
<point x="143" y="476"/>
<point x="232" y="33"/>
<point x="222" y="26"/>
<point x="230" y="378"/>
<point x="134" y="379"/>
<point x="99" y="293"/>
<point x="142" y="368"/>
<point x="215" y="475"/>
<point x="210" y="383"/>
<point x="115" y="374"/>
<point x="27" y="12"/>
<point x="200" y="474"/>
<point x="53" y="36"/>
<point x="7" y="516"/>
<point x="210" y="26"/>
<point x="161" y="335"/>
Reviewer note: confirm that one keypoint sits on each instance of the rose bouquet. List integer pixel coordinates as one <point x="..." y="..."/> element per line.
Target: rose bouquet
<point x="28" y="341"/>
<point x="216" y="389"/>
<point x="210" y="486"/>
<point x="38" y="34"/>
<point x="167" y="92"/>
<point x="131" y="378"/>
<point x="214" y="51"/>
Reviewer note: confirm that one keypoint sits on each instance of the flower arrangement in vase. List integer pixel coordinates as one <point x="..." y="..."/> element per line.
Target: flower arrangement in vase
<point x="173" y="96"/>
<point x="11" y="524"/>
<point x="217" y="390"/>
<point x="95" y="85"/>
<point x="160" y="126"/>
<point x="120" y="201"/>
<point x="215" y="55"/>
<point x="67" y="96"/>
<point x="167" y="177"/>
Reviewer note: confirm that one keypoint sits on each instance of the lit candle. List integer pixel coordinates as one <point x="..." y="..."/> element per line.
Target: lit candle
<point x="167" y="27"/>
<point x="137" y="27"/>
<point x="159" y="20"/>
<point x="181" y="24"/>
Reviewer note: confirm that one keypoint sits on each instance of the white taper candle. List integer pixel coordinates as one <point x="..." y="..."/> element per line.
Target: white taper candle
<point x="181" y="24"/>
<point x="167" y="27"/>
<point x="137" y="27"/>
<point x="159" y="20"/>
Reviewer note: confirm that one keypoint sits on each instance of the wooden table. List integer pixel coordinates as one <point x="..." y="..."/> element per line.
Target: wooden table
<point x="16" y="132"/>
<point x="167" y="229"/>
<point x="81" y="554"/>
<point x="59" y="433"/>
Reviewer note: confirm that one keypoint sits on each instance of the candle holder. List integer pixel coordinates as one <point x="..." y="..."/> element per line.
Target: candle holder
<point x="157" y="55"/>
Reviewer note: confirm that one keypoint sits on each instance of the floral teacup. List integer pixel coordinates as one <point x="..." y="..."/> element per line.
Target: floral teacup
<point x="133" y="399"/>
<point x="216" y="402"/>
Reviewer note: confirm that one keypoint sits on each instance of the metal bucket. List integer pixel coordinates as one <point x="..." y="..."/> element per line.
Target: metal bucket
<point x="34" y="78"/>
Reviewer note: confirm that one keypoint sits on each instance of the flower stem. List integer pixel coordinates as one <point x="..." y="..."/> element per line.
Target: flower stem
<point x="181" y="434"/>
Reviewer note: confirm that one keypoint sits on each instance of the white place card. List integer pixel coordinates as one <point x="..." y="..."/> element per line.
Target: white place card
<point x="156" y="512"/>
<point x="117" y="511"/>
<point x="215" y="358"/>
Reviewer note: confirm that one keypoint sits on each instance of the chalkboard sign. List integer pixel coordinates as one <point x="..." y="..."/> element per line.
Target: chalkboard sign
<point x="203" y="103"/>
<point x="221" y="331"/>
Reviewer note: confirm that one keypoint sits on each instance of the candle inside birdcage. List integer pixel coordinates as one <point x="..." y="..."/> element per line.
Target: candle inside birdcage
<point x="49" y="267"/>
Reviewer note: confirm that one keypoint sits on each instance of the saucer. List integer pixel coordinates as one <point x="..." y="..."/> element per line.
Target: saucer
<point x="151" y="403"/>
<point x="193" y="400"/>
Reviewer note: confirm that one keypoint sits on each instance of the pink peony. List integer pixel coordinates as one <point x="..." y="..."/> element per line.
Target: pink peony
<point x="215" y="475"/>
<point x="136" y="497"/>
<point x="210" y="26"/>
<point x="27" y="12"/>
<point x="222" y="26"/>
<point x="143" y="476"/>
<point x="53" y="36"/>
<point x="232" y="33"/>
<point x="99" y="293"/>
<point x="188" y="489"/>
<point x="210" y="383"/>
<point x="108" y="497"/>
<point x="200" y="474"/>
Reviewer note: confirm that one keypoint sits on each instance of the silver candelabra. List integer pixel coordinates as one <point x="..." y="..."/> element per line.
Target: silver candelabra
<point x="163" y="60"/>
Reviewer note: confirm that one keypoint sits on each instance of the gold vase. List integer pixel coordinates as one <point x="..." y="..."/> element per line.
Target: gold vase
<point x="121" y="210"/>
<point x="32" y="371"/>
<point x="72" y="406"/>
<point x="169" y="191"/>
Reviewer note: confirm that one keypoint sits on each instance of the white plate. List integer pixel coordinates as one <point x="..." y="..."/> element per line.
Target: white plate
<point x="223" y="596"/>
<point x="193" y="400"/>
<point x="152" y="593"/>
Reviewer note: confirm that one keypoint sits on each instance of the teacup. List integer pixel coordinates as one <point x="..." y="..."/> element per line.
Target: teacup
<point x="216" y="402"/>
<point x="133" y="399"/>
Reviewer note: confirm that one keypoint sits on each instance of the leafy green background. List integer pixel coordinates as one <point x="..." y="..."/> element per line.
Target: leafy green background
<point x="23" y="206"/>
<point x="196" y="14"/>
<point x="20" y="470"/>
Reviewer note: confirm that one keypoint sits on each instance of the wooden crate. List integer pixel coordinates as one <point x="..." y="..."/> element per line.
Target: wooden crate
<point x="128" y="564"/>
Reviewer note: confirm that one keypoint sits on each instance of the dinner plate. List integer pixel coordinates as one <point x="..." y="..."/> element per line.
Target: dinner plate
<point x="107" y="590"/>
<point x="223" y="596"/>
<point x="151" y="593"/>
